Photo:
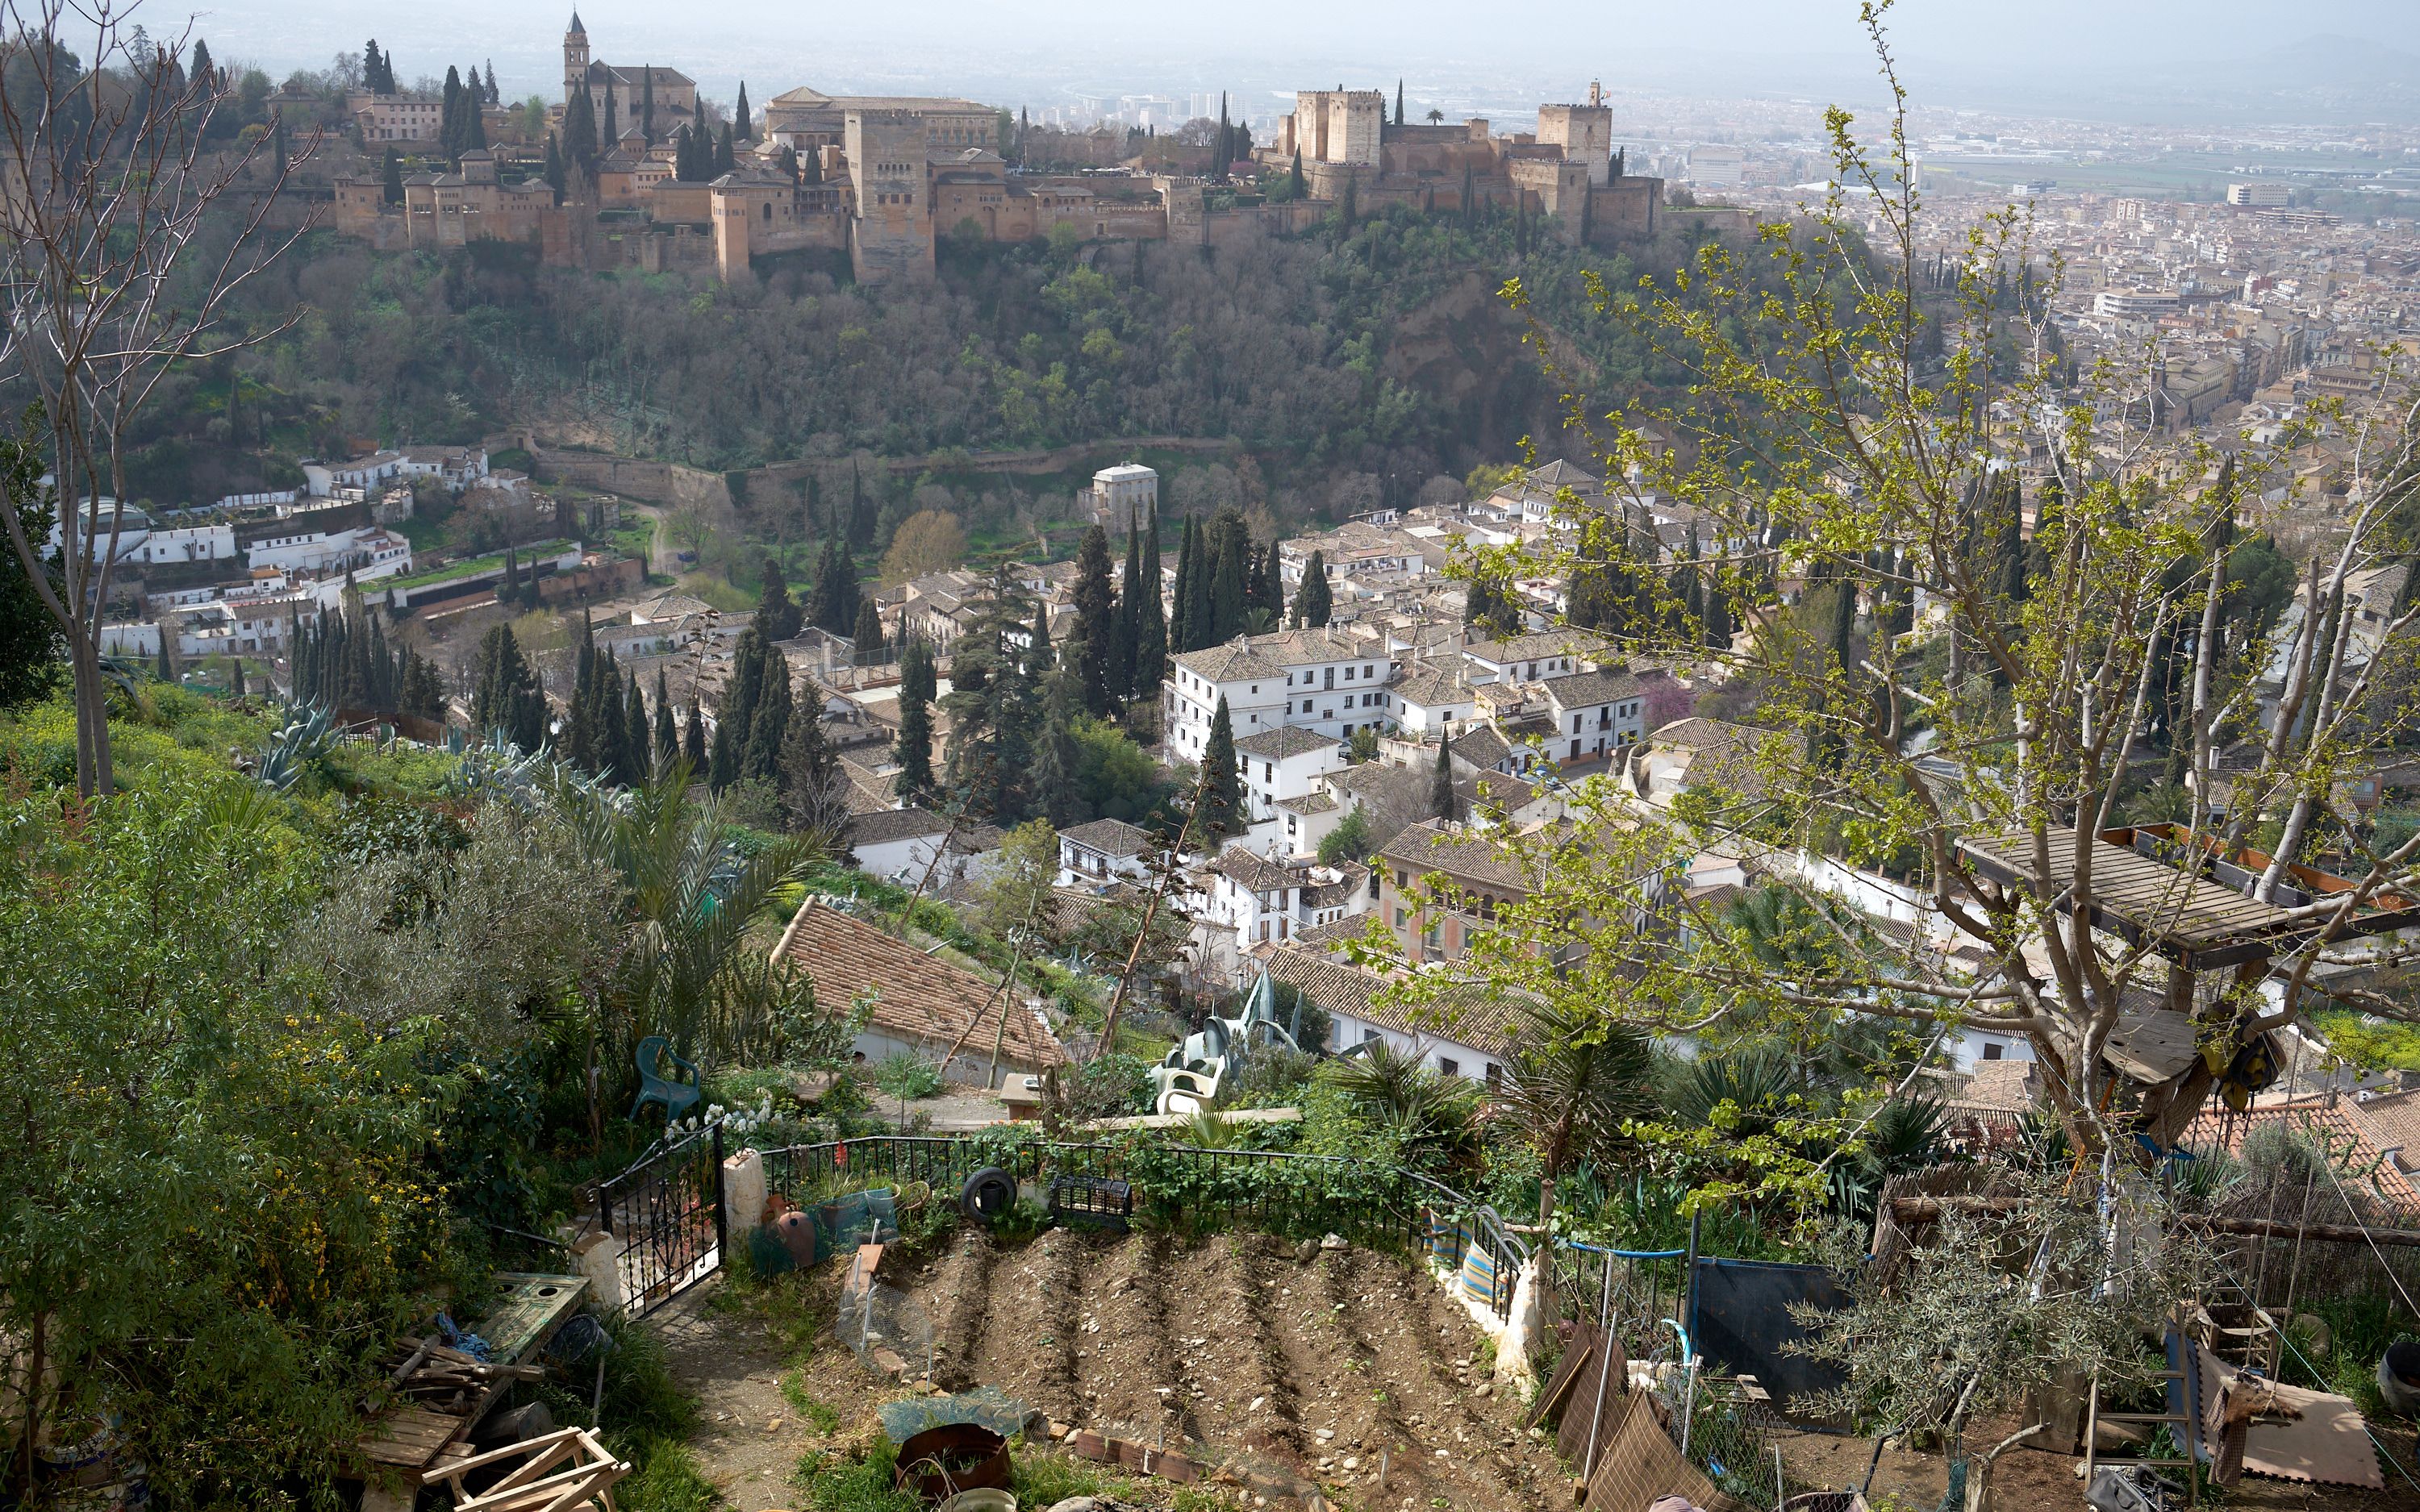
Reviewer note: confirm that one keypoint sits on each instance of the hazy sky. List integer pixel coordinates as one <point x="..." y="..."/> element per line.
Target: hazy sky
<point x="1118" y="45"/>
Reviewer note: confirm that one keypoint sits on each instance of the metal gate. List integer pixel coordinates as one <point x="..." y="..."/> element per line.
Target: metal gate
<point x="666" y="1213"/>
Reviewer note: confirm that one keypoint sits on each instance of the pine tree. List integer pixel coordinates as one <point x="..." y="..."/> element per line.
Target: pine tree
<point x="913" y="748"/>
<point x="371" y="65"/>
<point x="1313" y="600"/>
<point x="776" y="614"/>
<point x="992" y="709"/>
<point x="1151" y="632"/>
<point x="1096" y="624"/>
<point x="1222" y="788"/>
<point x="394" y="173"/>
<point x="739" y="114"/>
<point x="1443" y="802"/>
<point x="867" y="636"/>
<point x="667" y="734"/>
<point x="693" y="739"/>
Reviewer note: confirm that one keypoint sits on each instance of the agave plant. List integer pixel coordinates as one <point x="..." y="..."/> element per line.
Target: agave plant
<point x="309" y="734"/>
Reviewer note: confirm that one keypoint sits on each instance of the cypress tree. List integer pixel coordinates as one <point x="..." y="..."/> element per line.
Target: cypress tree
<point x="394" y="173"/>
<point x="635" y="742"/>
<point x="726" y="157"/>
<point x="1222" y="789"/>
<point x="778" y="615"/>
<point x="746" y="689"/>
<point x="693" y="738"/>
<point x="495" y="95"/>
<point x="1127" y="630"/>
<point x="1095" y="623"/>
<point x="839" y="591"/>
<point x="1443" y="803"/>
<point x="1040" y="654"/>
<point x="1312" y="601"/>
<point x="611" y="138"/>
<point x="722" y="763"/>
<point x="913" y="748"/>
<point x="771" y="724"/>
<point x="235" y="677"/>
<point x="1201" y="595"/>
<point x="647" y="106"/>
<point x="1227" y="600"/>
<point x="667" y="734"/>
<point x="1399" y="101"/>
<point x="1272" y="586"/>
<point x="1296" y="182"/>
<point x="1151" y="623"/>
<point x="811" y="786"/>
<point x="1056" y="756"/>
<point x="371" y="64"/>
<point x="739" y="113"/>
<point x="867" y="637"/>
<point x="1180" y="628"/>
<point x="553" y="171"/>
<point x="581" y="736"/>
<point x="449" y="114"/>
<point x="162" y="668"/>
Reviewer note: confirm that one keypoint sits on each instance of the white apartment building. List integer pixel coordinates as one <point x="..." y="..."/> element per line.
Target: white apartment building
<point x="1322" y="681"/>
<point x="1595" y="713"/>
<point x="1125" y="492"/>
<point x="367" y="551"/>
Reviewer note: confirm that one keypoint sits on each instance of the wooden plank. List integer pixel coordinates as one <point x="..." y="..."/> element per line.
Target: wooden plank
<point x="410" y="1437"/>
<point x="532" y="1308"/>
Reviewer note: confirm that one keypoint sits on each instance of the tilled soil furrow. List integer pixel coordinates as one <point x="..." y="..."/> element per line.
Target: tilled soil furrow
<point x="1391" y="1440"/>
<point x="1028" y="1347"/>
<point x="957" y="1297"/>
<point x="1421" y="1338"/>
<point x="1266" y="1275"/>
<point x="1129" y="1384"/>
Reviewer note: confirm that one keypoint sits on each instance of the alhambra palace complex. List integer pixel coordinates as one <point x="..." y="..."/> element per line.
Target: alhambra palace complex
<point x="890" y="174"/>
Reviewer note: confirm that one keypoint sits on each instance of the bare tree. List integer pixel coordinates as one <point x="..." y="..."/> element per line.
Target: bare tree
<point x="125" y="232"/>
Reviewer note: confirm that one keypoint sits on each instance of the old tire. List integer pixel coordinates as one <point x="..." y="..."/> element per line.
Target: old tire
<point x="988" y="1194"/>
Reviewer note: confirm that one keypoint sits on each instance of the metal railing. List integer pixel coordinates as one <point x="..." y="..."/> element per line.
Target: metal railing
<point x="1179" y="1185"/>
<point x="666" y="1211"/>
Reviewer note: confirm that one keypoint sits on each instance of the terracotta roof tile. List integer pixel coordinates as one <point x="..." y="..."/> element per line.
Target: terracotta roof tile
<point x="912" y="995"/>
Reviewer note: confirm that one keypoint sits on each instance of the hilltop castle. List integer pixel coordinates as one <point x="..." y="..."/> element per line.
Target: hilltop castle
<point x="884" y="178"/>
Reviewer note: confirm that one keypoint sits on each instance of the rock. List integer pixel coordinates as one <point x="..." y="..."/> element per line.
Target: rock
<point x="1323" y="1435"/>
<point x="1257" y="1403"/>
<point x="1058" y="1430"/>
<point x="1079" y="1504"/>
<point x="1486" y="1389"/>
<point x="1306" y="1251"/>
<point x="1351" y="1461"/>
<point x="1333" y="1242"/>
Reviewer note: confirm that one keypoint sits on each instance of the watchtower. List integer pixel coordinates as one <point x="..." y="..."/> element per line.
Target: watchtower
<point x="574" y="57"/>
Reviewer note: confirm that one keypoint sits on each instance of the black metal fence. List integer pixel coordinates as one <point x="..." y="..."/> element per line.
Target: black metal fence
<point x="666" y="1214"/>
<point x="1635" y="1291"/>
<point x="1182" y="1185"/>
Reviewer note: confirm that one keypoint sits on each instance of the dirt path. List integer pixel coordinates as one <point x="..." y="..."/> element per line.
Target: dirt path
<point x="749" y="1437"/>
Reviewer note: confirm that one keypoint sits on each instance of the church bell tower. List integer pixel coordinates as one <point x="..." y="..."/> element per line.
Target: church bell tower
<point x="574" y="57"/>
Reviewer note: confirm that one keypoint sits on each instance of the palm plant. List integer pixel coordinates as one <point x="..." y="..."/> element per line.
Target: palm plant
<point x="1574" y="1081"/>
<point x="692" y="898"/>
<point x="1428" y="1116"/>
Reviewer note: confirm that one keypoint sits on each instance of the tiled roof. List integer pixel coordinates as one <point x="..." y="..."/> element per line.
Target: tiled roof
<point x="1578" y="644"/>
<point x="898" y="824"/>
<point x="1232" y="662"/>
<point x="1433" y="845"/>
<point x="2001" y="1084"/>
<point x="1470" y="1017"/>
<point x="1110" y="837"/>
<point x="2344" y="1123"/>
<point x="912" y="995"/>
<point x="1586" y="690"/>
<point x="1258" y="873"/>
<point x="1309" y="803"/>
<point x="1433" y="683"/>
<point x="2396" y="1118"/>
<point x="1285" y="740"/>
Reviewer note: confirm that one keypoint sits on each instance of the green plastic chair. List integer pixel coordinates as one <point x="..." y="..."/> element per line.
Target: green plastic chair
<point x="677" y="1096"/>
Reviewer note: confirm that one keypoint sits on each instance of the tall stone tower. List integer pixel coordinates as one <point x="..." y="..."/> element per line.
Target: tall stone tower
<point x="574" y="57"/>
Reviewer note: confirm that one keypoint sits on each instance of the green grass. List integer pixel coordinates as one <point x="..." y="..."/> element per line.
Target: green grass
<point x="1040" y="1479"/>
<point x="836" y="1485"/>
<point x="668" y="1480"/>
<point x="463" y="569"/>
<point x="825" y="1416"/>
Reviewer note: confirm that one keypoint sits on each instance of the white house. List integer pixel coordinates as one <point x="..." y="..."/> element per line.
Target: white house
<point x="1243" y="901"/>
<point x="1595" y="713"/>
<point x="1470" y="1038"/>
<point x="456" y="466"/>
<point x="1317" y="680"/>
<point x="899" y="845"/>
<point x="1288" y="762"/>
<point x="1527" y="659"/>
<point x="1101" y="853"/>
<point x="364" y="472"/>
<point x="1433" y="696"/>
